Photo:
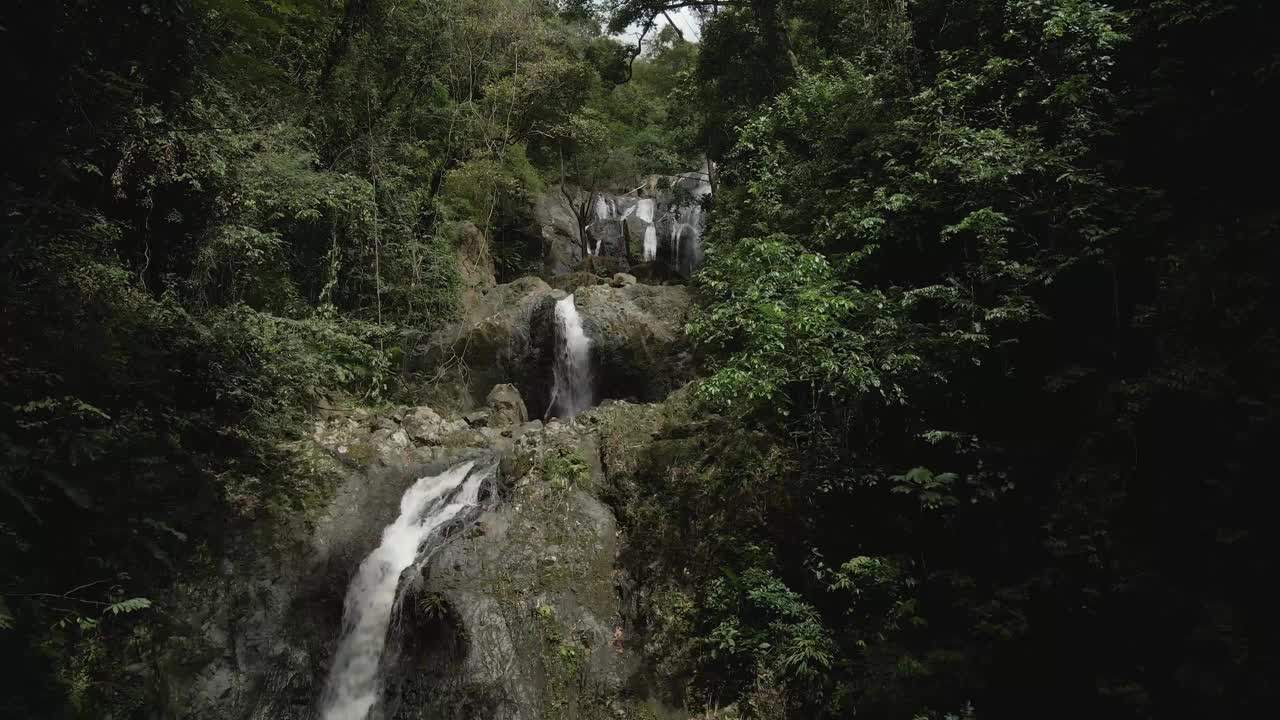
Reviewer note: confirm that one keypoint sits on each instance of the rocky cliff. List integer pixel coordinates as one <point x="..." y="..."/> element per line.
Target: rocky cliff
<point x="521" y="612"/>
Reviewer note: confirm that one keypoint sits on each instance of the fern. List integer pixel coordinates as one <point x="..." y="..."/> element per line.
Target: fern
<point x="127" y="606"/>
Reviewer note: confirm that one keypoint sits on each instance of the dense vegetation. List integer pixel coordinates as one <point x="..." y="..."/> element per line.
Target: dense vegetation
<point x="988" y="320"/>
<point x="987" y="326"/>
<point x="218" y="211"/>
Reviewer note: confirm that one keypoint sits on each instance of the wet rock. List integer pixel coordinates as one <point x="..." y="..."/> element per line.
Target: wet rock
<point x="255" y="640"/>
<point x="535" y="601"/>
<point x="656" y="272"/>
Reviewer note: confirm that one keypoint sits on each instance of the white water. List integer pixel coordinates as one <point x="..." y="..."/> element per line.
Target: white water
<point x="691" y="222"/>
<point x="353" y="686"/>
<point x="644" y="211"/>
<point x="571" y="375"/>
<point x="650" y="243"/>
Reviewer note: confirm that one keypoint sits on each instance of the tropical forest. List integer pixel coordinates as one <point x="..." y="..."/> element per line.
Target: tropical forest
<point x="639" y="359"/>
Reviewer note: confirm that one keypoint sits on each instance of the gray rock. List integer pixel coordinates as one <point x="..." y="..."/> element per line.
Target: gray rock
<point x="637" y="336"/>
<point x="604" y="265"/>
<point x="507" y="405"/>
<point x="505" y="337"/>
<point x="536" y="603"/>
<point x="570" y="282"/>
<point x="637" y="333"/>
<point x="424" y="425"/>
<point x="622" y="280"/>
<point x="558" y="229"/>
<point x="399" y="439"/>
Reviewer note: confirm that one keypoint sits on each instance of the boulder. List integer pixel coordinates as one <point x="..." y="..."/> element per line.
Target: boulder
<point x="507" y="406"/>
<point x="425" y="426"/>
<point x="572" y="281"/>
<point x="622" y="280"/>
<point x="530" y="613"/>
<point x="637" y="334"/>
<point x="603" y="265"/>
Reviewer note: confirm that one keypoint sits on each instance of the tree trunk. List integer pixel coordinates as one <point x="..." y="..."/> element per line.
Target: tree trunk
<point x="773" y="24"/>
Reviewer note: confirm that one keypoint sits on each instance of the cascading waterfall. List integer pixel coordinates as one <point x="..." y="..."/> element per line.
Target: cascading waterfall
<point x="676" y="236"/>
<point x="571" y="375"/>
<point x="354" y="684"/>
<point x="690" y="222"/>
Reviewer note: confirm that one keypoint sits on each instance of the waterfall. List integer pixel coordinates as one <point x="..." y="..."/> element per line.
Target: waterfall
<point x="644" y="211"/>
<point x="691" y="221"/>
<point x="650" y="243"/>
<point x="353" y="686"/>
<point x="571" y="375"/>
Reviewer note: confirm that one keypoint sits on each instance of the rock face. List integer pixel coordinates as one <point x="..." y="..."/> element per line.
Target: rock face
<point x="520" y="614"/>
<point x="254" y="640"/>
<point x="529" y="599"/>
<point x="661" y="221"/>
<point x="604" y="265"/>
<point x="571" y="282"/>
<point x="504" y="337"/>
<point x="637" y="343"/>
<point x="475" y="264"/>
<point x="562" y="250"/>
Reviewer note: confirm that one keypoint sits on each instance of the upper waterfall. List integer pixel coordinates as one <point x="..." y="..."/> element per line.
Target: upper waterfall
<point x="662" y="220"/>
<point x="353" y="687"/>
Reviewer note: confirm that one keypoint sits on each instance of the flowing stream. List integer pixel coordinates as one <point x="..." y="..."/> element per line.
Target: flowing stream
<point x="571" y="376"/>
<point x="353" y="687"/>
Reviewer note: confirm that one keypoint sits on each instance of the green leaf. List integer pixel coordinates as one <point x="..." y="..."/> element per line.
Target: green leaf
<point x="128" y="606"/>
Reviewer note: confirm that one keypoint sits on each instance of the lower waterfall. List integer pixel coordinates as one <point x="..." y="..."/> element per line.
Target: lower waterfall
<point x="354" y="683"/>
<point x="571" y="389"/>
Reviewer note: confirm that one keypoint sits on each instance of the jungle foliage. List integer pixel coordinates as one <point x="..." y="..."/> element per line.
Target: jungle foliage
<point x="988" y="335"/>
<point x="217" y="213"/>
